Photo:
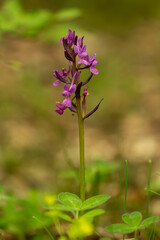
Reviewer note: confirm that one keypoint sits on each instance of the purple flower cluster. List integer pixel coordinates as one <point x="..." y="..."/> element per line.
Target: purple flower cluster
<point x="73" y="49"/>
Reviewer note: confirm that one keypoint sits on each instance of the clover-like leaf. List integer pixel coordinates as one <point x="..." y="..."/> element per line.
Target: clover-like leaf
<point x="148" y="221"/>
<point x="94" y="213"/>
<point x="70" y="200"/>
<point x="64" y="216"/>
<point x="133" y="219"/>
<point x="119" y="228"/>
<point x="94" y="201"/>
<point x="58" y="206"/>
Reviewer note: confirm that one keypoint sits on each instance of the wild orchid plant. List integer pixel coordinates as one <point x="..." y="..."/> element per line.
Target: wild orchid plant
<point x="75" y="100"/>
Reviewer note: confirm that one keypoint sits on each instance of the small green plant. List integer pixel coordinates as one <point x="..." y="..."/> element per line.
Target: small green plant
<point x="132" y="223"/>
<point x="80" y="214"/>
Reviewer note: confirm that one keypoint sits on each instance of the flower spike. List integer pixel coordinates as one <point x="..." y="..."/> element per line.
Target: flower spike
<point x="78" y="60"/>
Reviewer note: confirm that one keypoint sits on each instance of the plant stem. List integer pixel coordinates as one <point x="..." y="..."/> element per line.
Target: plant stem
<point x="45" y="228"/>
<point x="126" y="186"/>
<point x="77" y="215"/>
<point x="81" y="147"/>
<point x="149" y="186"/>
<point x="135" y="235"/>
<point x="81" y="140"/>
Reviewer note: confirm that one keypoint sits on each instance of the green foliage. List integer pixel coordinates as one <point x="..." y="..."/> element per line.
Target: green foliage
<point x="94" y="201"/>
<point x="93" y="213"/>
<point x="73" y="202"/>
<point x="148" y="221"/>
<point x="119" y="228"/>
<point x="16" y="214"/>
<point x="70" y="200"/>
<point x="16" y="21"/>
<point x="81" y="219"/>
<point x="132" y="223"/>
<point x="133" y="219"/>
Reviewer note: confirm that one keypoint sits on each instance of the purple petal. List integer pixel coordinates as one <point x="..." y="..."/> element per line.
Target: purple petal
<point x="78" y="74"/>
<point x="84" y="48"/>
<point x="73" y="79"/>
<point x="61" y="40"/>
<point x="59" y="111"/>
<point x="94" y="70"/>
<point x="76" y="49"/>
<point x="79" y="42"/>
<point x="93" y="57"/>
<point x="67" y="102"/>
<point x="73" y="88"/>
<point x="94" y="63"/>
<point x="82" y="61"/>
<point x="60" y="106"/>
<point x="54" y="75"/>
<point x="56" y="70"/>
<point x="66" y="87"/>
<point x="56" y="83"/>
<point x="86" y="88"/>
<point x="64" y="72"/>
<point x="66" y="94"/>
<point x="82" y="55"/>
<point x="85" y="92"/>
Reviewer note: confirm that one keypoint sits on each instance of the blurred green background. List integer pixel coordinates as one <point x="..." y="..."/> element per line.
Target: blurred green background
<point x="37" y="145"/>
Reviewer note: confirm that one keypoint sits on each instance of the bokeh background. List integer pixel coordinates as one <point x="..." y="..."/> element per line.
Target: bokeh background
<point x="38" y="148"/>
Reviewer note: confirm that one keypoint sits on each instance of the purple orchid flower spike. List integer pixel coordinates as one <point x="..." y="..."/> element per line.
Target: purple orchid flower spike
<point x="75" y="53"/>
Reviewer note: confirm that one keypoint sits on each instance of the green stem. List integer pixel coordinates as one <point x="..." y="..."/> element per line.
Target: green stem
<point x="81" y="147"/>
<point x="135" y="235"/>
<point x="149" y="186"/>
<point x="126" y="186"/>
<point x="81" y="140"/>
<point x="77" y="215"/>
<point x="46" y="229"/>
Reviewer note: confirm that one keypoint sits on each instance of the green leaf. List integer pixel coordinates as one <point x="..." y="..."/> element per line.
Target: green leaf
<point x="94" y="201"/>
<point x="119" y="228"/>
<point x="148" y="221"/>
<point x="58" y="206"/>
<point x="64" y="217"/>
<point x="70" y="200"/>
<point x="93" y="213"/>
<point x="133" y="219"/>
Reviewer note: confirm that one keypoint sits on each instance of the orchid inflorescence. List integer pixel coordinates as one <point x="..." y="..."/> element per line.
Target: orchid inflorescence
<point x="73" y="48"/>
